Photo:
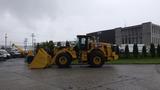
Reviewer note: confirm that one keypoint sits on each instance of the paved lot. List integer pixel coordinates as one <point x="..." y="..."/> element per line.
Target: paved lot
<point x="14" y="75"/>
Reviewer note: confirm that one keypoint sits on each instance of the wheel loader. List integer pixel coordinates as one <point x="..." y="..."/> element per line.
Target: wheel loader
<point x="85" y="51"/>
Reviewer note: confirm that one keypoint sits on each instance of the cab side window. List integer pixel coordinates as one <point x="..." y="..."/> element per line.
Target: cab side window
<point x="83" y="41"/>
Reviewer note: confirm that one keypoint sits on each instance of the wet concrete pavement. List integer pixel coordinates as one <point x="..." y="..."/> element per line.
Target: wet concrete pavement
<point x="15" y="75"/>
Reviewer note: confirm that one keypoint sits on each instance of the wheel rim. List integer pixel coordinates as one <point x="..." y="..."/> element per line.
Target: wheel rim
<point x="62" y="60"/>
<point x="97" y="60"/>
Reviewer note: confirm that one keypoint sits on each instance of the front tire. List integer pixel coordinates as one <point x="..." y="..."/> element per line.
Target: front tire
<point x="63" y="60"/>
<point x="96" y="59"/>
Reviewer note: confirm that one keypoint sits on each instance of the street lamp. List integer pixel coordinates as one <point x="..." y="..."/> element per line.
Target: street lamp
<point x="33" y="40"/>
<point x="6" y="41"/>
<point x="25" y="43"/>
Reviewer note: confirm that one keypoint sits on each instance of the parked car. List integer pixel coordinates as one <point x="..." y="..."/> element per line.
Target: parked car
<point x="15" y="54"/>
<point x="2" y="57"/>
<point x="5" y="53"/>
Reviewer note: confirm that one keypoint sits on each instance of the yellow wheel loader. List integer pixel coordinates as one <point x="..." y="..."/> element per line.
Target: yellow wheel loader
<point x="86" y="51"/>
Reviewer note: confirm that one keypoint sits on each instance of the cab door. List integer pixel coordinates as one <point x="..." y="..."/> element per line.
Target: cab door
<point x="83" y="47"/>
<point x="83" y="43"/>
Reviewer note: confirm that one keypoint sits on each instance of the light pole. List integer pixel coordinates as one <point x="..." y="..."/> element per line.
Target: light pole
<point x="33" y="40"/>
<point x="25" y="43"/>
<point x="6" y="41"/>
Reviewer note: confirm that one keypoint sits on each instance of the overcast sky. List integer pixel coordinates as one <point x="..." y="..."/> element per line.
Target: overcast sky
<point x="60" y="20"/>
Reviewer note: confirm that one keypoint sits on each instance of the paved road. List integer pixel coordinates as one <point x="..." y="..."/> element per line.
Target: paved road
<point x="14" y="75"/>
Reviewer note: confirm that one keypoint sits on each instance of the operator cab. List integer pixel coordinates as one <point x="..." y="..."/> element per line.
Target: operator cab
<point x="83" y="42"/>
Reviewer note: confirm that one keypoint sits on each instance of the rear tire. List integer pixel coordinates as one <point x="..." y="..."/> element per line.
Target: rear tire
<point x="96" y="59"/>
<point x="63" y="60"/>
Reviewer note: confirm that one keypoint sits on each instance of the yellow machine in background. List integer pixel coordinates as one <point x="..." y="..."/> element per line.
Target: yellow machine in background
<point x="23" y="53"/>
<point x="86" y="51"/>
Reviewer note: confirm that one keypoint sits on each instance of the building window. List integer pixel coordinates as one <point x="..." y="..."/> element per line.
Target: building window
<point x="122" y="40"/>
<point x="133" y="41"/>
<point x="126" y="40"/>
<point x="136" y="39"/>
<point x="129" y="40"/>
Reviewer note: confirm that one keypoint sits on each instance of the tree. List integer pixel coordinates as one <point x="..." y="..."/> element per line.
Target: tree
<point x="144" y="51"/>
<point x="135" y="50"/>
<point x="59" y="44"/>
<point x="152" y="50"/>
<point x="45" y="46"/>
<point x="158" y="50"/>
<point x="50" y="48"/>
<point x="37" y="47"/>
<point x="67" y="44"/>
<point x="126" y="51"/>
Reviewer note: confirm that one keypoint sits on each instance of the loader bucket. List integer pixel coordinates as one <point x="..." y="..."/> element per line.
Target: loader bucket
<point x="41" y="60"/>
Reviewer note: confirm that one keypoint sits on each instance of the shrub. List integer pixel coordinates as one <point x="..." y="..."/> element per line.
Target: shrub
<point x="158" y="50"/>
<point x="135" y="50"/>
<point x="152" y="50"/>
<point x="127" y="51"/>
<point x="144" y="51"/>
